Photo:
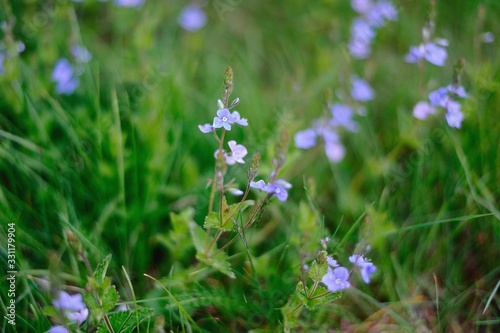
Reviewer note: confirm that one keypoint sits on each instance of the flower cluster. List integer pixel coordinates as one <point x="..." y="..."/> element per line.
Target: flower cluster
<point x="73" y="308"/>
<point x="65" y="75"/>
<point x="373" y="15"/>
<point x="337" y="277"/>
<point x="443" y="97"/>
<point x="277" y="188"/>
<point x="342" y="117"/>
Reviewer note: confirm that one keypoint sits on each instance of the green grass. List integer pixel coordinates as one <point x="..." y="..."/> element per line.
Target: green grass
<point x="114" y="161"/>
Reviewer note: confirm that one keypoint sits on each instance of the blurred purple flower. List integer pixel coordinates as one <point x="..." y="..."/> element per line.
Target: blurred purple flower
<point x="206" y="128"/>
<point x="129" y="3"/>
<point x="336" y="279"/>
<point x="381" y="12"/>
<point x="342" y="116"/>
<point x="367" y="268"/>
<point x="331" y="262"/>
<point x="305" y="139"/>
<point x="58" y="329"/>
<point x="63" y="76"/>
<point x="361" y="90"/>
<point x="81" y="54"/>
<point x="422" y="110"/>
<point x="432" y="52"/>
<point x="192" y="18"/>
<point x="72" y="305"/>
<point x="238" y="120"/>
<point x="454" y="116"/>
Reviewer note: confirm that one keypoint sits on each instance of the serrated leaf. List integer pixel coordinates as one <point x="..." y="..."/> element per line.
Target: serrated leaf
<point x="109" y="297"/>
<point x="292" y="309"/>
<point x="126" y="321"/>
<point x="320" y="296"/>
<point x="213" y="221"/>
<point x="101" y="270"/>
<point x="317" y="270"/>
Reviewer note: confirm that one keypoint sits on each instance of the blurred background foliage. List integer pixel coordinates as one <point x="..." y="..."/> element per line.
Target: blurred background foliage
<point x="116" y="161"/>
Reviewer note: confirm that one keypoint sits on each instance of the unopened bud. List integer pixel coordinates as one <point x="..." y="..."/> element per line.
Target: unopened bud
<point x="74" y="242"/>
<point x="228" y="81"/>
<point x="220" y="104"/>
<point x="253" y="169"/>
<point x="235" y="102"/>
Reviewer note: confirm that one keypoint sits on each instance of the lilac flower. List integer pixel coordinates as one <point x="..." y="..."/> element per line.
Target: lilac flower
<point x="335" y="151"/>
<point x="63" y="76"/>
<point x="336" y="279"/>
<point x="238" y="120"/>
<point x="443" y="97"/>
<point x="361" y="90"/>
<point x="432" y="52"/>
<point x="331" y="262"/>
<point x="73" y="306"/>
<point x="129" y="3"/>
<point x="81" y="54"/>
<point x="367" y="268"/>
<point x="381" y="12"/>
<point x="278" y="188"/>
<point x="206" y="128"/>
<point x="373" y="16"/>
<point x="439" y="97"/>
<point x="422" y="110"/>
<point x="342" y="116"/>
<point x="237" y="153"/>
<point x="235" y="191"/>
<point x="192" y="18"/>
<point x="454" y="116"/>
<point x="58" y="329"/>
<point x="305" y="139"/>
<point x="487" y="37"/>
<point x="224" y="119"/>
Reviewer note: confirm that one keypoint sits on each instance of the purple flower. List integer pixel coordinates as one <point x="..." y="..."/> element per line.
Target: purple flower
<point x="362" y="31"/>
<point x="457" y="90"/>
<point x="305" y="139"/>
<point x="361" y="6"/>
<point x="73" y="306"/>
<point x="422" y="110"/>
<point x="432" y="52"/>
<point x="454" y="116"/>
<point x="342" y="116"/>
<point x="58" y="329"/>
<point x="278" y="188"/>
<point x="238" y="120"/>
<point x="223" y="119"/>
<point x="129" y="3"/>
<point x="81" y="54"/>
<point x="439" y="97"/>
<point x="331" y="262"/>
<point x="206" y="128"/>
<point x="63" y="76"/>
<point x="336" y="279"/>
<point x="237" y="153"/>
<point x="359" y="49"/>
<point x="367" y="268"/>
<point x="381" y="12"/>
<point x="192" y="18"/>
<point x="361" y="90"/>
<point x="335" y="151"/>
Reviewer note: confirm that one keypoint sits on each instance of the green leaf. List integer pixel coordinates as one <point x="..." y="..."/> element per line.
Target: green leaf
<point x="126" y="321"/>
<point x="199" y="237"/>
<point x="321" y="295"/>
<point x="292" y="309"/>
<point x="319" y="267"/>
<point x="101" y="299"/>
<point x="219" y="262"/>
<point x="100" y="272"/>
